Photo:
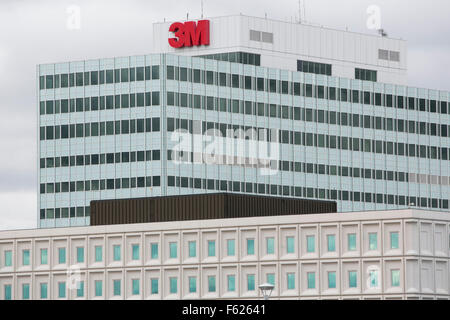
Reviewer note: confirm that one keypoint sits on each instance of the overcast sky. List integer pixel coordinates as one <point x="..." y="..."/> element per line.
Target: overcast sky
<point x="35" y="31"/>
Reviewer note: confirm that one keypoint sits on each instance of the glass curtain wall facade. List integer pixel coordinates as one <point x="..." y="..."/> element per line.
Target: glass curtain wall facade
<point x="106" y="132"/>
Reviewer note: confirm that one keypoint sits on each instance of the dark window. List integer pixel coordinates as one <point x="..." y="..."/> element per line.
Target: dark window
<point x="366" y="75"/>
<point x="314" y="67"/>
<point x="140" y="74"/>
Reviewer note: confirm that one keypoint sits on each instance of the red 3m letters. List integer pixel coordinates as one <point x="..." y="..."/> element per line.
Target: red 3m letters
<point x="189" y="34"/>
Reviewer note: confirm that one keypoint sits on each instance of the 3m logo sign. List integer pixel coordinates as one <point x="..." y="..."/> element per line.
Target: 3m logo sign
<point x="189" y="34"/>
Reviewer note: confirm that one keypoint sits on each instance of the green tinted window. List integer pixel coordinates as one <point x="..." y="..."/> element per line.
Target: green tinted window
<point x="211" y="284"/>
<point x="373" y="241"/>
<point x="154" y="250"/>
<point x="173" y="285"/>
<point x="8" y="292"/>
<point x="135" y="251"/>
<point x="291" y="281"/>
<point x="8" y="258"/>
<point x="290" y="244"/>
<point x="192" y="249"/>
<point x="351" y="242"/>
<point x="192" y="284"/>
<point x="43" y="290"/>
<point x="373" y="278"/>
<point x="98" y="254"/>
<point x="116" y="253"/>
<point x="154" y="286"/>
<point x="25" y="291"/>
<point x="270" y="244"/>
<point x="117" y="285"/>
<point x="251" y="282"/>
<point x="61" y="289"/>
<point x="26" y="257"/>
<point x="394" y="240"/>
<point x="311" y="280"/>
<point x="395" y="278"/>
<point x="352" y="279"/>
<point x="332" y="280"/>
<point x="173" y="250"/>
<point x="230" y="247"/>
<point x="44" y="256"/>
<point x="62" y="255"/>
<point x="250" y="246"/>
<point x="211" y="248"/>
<point x="98" y="288"/>
<point x="135" y="287"/>
<point x="80" y="255"/>
<point x="231" y="280"/>
<point x="310" y="244"/>
<point x="331" y="241"/>
<point x="80" y="289"/>
<point x="271" y="278"/>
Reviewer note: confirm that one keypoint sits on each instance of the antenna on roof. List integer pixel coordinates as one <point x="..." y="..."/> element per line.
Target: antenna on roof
<point x="266" y="15"/>
<point x="187" y="16"/>
<point x="202" y="8"/>
<point x="300" y="11"/>
<point x="382" y="33"/>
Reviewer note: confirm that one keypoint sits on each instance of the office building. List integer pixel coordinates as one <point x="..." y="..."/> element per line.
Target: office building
<point x="347" y="128"/>
<point x="400" y="254"/>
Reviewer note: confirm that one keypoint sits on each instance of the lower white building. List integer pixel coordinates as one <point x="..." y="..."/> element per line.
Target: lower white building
<point x="400" y="254"/>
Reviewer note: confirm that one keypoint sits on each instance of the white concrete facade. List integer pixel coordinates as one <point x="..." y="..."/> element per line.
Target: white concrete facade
<point x="401" y="254"/>
<point x="290" y="42"/>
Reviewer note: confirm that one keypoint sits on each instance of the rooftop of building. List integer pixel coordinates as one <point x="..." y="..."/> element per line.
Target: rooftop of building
<point x="303" y="23"/>
<point x="438" y="93"/>
<point x="328" y="218"/>
<point x="201" y="207"/>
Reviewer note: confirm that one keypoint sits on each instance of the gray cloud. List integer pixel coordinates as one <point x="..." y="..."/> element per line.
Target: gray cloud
<point x="34" y="32"/>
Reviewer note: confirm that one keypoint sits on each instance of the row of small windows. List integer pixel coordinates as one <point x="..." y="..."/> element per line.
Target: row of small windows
<point x="65" y="213"/>
<point x="230" y="283"/>
<point x="313" y="168"/>
<point x="296" y="89"/>
<point x="95" y="129"/>
<point x="135" y="252"/>
<point x="243" y="107"/>
<point x="352" y="276"/>
<point x="102" y="184"/>
<point x="80" y="254"/>
<point x="238" y="57"/>
<point x="314" y="67"/>
<point x="97" y="159"/>
<point x="305" y="192"/>
<point x="333" y="170"/>
<point x="330" y="243"/>
<point x="306" y="90"/>
<point x="211" y="249"/>
<point x="318" y="140"/>
<point x="223" y="185"/>
<point x="306" y="114"/>
<point x="323" y="169"/>
<point x="62" y="289"/>
<point x="365" y="75"/>
<point x="231" y="279"/>
<point x="143" y="99"/>
<point x="80" y="79"/>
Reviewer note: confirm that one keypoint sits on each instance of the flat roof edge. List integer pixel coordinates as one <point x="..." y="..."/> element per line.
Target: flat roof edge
<point x="173" y="226"/>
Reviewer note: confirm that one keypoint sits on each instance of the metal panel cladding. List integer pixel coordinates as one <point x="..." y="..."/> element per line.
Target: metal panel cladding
<point x="201" y="207"/>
